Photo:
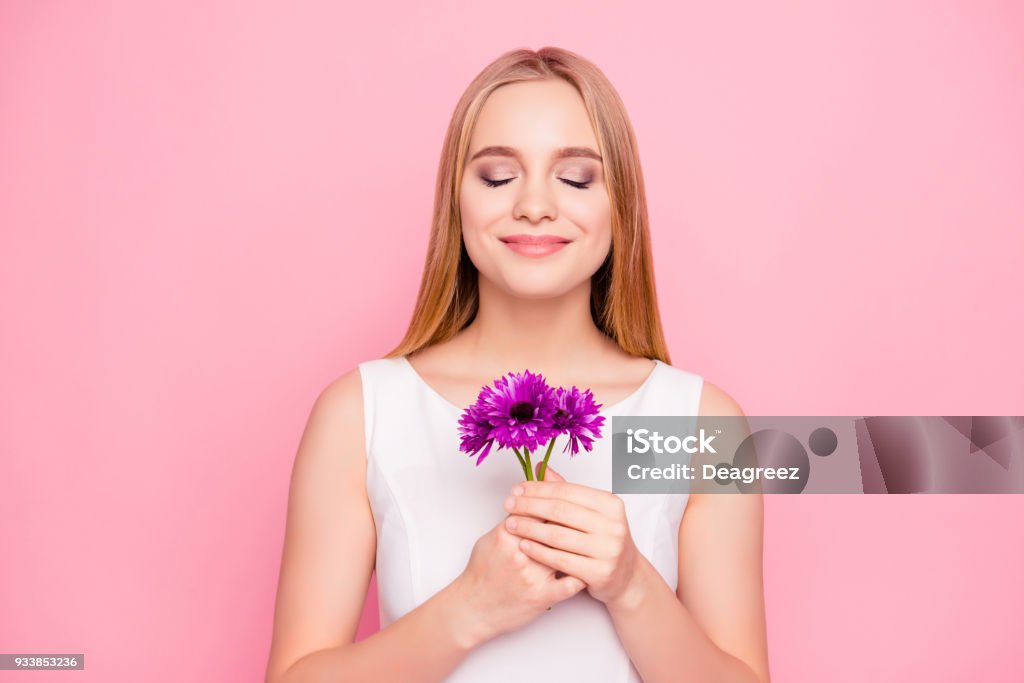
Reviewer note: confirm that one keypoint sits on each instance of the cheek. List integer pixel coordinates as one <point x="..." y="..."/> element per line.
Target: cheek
<point x="594" y="217"/>
<point x="467" y="206"/>
<point x="478" y="212"/>
<point x="480" y="206"/>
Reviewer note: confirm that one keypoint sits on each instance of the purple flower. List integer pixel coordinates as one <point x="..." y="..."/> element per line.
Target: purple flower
<point x="476" y="432"/>
<point x="520" y="411"/>
<point x="516" y="412"/>
<point x="576" y="414"/>
<point x="520" y="407"/>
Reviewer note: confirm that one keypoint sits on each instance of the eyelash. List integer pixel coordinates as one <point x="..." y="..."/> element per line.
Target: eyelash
<point x="499" y="183"/>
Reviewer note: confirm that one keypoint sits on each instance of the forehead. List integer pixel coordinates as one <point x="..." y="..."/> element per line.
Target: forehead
<point x="534" y="116"/>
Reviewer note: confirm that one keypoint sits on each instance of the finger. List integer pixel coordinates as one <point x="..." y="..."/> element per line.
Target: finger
<point x="558" y="510"/>
<point x="605" y="502"/>
<point x="547" y="473"/>
<point x="565" y="588"/>
<point x="551" y="475"/>
<point x="529" y="567"/>
<point x="554" y="535"/>
<point x="578" y="566"/>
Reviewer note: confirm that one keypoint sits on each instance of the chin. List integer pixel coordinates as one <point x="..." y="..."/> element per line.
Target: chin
<point x="532" y="287"/>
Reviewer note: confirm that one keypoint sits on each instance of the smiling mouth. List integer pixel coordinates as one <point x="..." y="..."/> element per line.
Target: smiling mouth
<point x="535" y="248"/>
<point x="534" y="239"/>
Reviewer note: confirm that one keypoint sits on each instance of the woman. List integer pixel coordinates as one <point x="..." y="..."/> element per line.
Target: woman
<point x="539" y="259"/>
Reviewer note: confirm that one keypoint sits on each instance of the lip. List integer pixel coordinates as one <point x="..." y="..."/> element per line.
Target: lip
<point x="535" y="245"/>
<point x="534" y="239"/>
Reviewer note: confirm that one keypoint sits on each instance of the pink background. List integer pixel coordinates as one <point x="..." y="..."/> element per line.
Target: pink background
<point x="210" y="212"/>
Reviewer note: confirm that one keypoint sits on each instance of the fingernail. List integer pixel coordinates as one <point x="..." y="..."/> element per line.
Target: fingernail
<point x="510" y="503"/>
<point x="517" y="491"/>
<point x="511" y="522"/>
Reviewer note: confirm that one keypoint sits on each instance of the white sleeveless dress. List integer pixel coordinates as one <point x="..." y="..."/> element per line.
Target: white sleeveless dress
<point x="431" y="503"/>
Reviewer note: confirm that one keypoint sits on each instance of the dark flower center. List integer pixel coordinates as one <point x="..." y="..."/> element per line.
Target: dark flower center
<point x="522" y="411"/>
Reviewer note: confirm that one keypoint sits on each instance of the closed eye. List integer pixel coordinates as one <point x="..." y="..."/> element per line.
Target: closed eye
<point x="499" y="183"/>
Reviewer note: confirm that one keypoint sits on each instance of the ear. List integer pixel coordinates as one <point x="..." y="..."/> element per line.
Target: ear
<point x="549" y="473"/>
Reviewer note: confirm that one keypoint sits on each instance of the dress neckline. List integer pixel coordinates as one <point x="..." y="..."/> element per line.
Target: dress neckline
<point x="658" y="364"/>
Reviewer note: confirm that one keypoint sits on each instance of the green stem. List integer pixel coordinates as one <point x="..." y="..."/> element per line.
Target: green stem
<point x="529" y="465"/>
<point x="544" y="464"/>
<point x="522" y="463"/>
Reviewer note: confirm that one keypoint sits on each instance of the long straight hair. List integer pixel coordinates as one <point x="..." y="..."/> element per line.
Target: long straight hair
<point x="623" y="300"/>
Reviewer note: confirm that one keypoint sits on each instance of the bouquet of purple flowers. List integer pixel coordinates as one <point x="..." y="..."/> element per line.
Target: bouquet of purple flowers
<point x="521" y="412"/>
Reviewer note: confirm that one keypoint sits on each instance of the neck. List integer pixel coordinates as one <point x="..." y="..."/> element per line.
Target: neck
<point x="543" y="335"/>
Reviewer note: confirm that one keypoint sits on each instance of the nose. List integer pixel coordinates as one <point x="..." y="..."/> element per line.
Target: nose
<point x="535" y="202"/>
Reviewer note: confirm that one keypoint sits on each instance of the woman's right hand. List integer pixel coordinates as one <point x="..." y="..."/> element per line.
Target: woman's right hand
<point x="501" y="589"/>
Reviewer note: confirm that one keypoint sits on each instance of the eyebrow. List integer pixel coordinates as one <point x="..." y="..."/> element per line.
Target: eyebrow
<point x="560" y="153"/>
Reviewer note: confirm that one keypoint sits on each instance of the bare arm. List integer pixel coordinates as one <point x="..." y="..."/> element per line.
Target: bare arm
<point x="713" y="627"/>
<point x="328" y="556"/>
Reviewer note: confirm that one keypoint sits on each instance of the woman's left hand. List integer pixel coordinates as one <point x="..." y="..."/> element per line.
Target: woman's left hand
<point x="586" y="534"/>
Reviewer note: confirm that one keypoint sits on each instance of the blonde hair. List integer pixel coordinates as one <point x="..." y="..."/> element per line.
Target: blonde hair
<point x="623" y="300"/>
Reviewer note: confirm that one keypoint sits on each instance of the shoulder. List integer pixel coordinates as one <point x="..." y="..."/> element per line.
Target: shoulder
<point x="338" y="408"/>
<point x="349" y="396"/>
<point x="345" y="389"/>
<point x="716" y="401"/>
<point x="713" y="399"/>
